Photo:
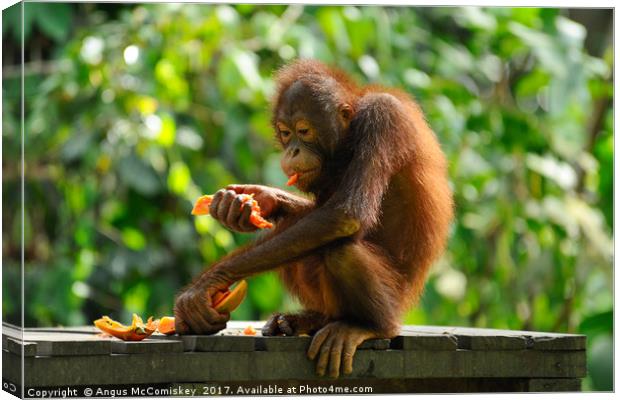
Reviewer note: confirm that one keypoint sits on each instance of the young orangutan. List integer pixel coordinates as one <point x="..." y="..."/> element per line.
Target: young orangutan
<point x="357" y="255"/>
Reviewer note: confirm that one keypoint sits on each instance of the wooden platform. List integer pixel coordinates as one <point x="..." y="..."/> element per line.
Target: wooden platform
<point x="427" y="359"/>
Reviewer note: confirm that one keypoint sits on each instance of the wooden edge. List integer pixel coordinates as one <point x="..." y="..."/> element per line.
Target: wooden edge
<point x="411" y="338"/>
<point x="424" y="341"/>
<point x="146" y="346"/>
<point x="249" y="366"/>
<point x="498" y="339"/>
<point x="218" y="343"/>
<point x="17" y="347"/>
<point x="554" y="385"/>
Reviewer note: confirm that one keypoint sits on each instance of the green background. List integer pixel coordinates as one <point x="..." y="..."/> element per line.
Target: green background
<point x="133" y="111"/>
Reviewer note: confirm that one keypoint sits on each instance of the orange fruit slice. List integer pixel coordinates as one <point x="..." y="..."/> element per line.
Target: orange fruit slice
<point x="166" y="326"/>
<point x="228" y="300"/>
<point x="292" y="179"/>
<point x="201" y="207"/>
<point x="136" y="332"/>
<point x="249" y="331"/>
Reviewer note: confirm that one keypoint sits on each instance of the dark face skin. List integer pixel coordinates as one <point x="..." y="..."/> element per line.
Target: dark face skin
<point x="308" y="131"/>
<point x="300" y="157"/>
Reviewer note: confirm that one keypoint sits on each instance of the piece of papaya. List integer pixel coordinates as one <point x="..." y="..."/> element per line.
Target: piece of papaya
<point x="249" y="331"/>
<point x="136" y="332"/>
<point x="166" y="326"/>
<point x="292" y="179"/>
<point x="224" y="301"/>
<point x="231" y="298"/>
<point x="201" y="207"/>
<point x="219" y="296"/>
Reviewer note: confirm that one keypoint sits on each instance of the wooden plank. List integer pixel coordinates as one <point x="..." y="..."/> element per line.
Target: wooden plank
<point x="413" y="340"/>
<point x="496" y="364"/>
<point x="17" y="347"/>
<point x="218" y="343"/>
<point x="136" y="368"/>
<point x="68" y="344"/>
<point x="296" y="365"/>
<point x="283" y="343"/>
<point x="478" y="339"/>
<point x="501" y="339"/>
<point x="288" y="364"/>
<point x="576" y="342"/>
<point x="147" y="346"/>
<point x="554" y="385"/>
<point x="73" y="348"/>
<point x="302" y="343"/>
<point x="12" y="340"/>
<point x="484" y="331"/>
<point x="12" y="367"/>
<point x="375" y="344"/>
<point x="446" y="338"/>
<point x="492" y="342"/>
<point x="63" y="343"/>
<point x="230" y="339"/>
<point x="180" y="367"/>
<point x="246" y="366"/>
<point x="68" y="329"/>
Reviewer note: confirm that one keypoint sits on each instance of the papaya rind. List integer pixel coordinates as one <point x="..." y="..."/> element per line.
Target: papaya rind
<point x="233" y="299"/>
<point x="136" y="332"/>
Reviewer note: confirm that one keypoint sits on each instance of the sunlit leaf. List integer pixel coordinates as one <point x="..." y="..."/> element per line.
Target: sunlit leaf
<point x="333" y="25"/>
<point x="560" y="172"/>
<point x="476" y="17"/>
<point x="167" y="132"/>
<point x="135" y="298"/>
<point x="133" y="238"/>
<point x="179" y="178"/>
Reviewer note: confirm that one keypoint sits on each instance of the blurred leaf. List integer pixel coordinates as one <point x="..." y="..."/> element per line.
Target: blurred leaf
<point x="247" y="66"/>
<point x="333" y="25"/>
<point x="54" y="19"/>
<point x="561" y="173"/>
<point x="167" y="132"/>
<point x="601" y="362"/>
<point x="543" y="46"/>
<point x="264" y="291"/>
<point x="475" y="17"/>
<point x="598" y="323"/>
<point x="11" y="19"/>
<point x="532" y="83"/>
<point x="75" y="147"/>
<point x="139" y="176"/>
<point x="133" y="238"/>
<point x="135" y="299"/>
<point x="179" y="178"/>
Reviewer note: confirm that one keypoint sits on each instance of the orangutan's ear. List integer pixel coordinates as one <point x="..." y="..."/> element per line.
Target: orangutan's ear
<point x="346" y="112"/>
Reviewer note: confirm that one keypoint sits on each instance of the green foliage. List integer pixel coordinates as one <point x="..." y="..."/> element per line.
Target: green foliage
<point x="145" y="112"/>
<point x="54" y="20"/>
